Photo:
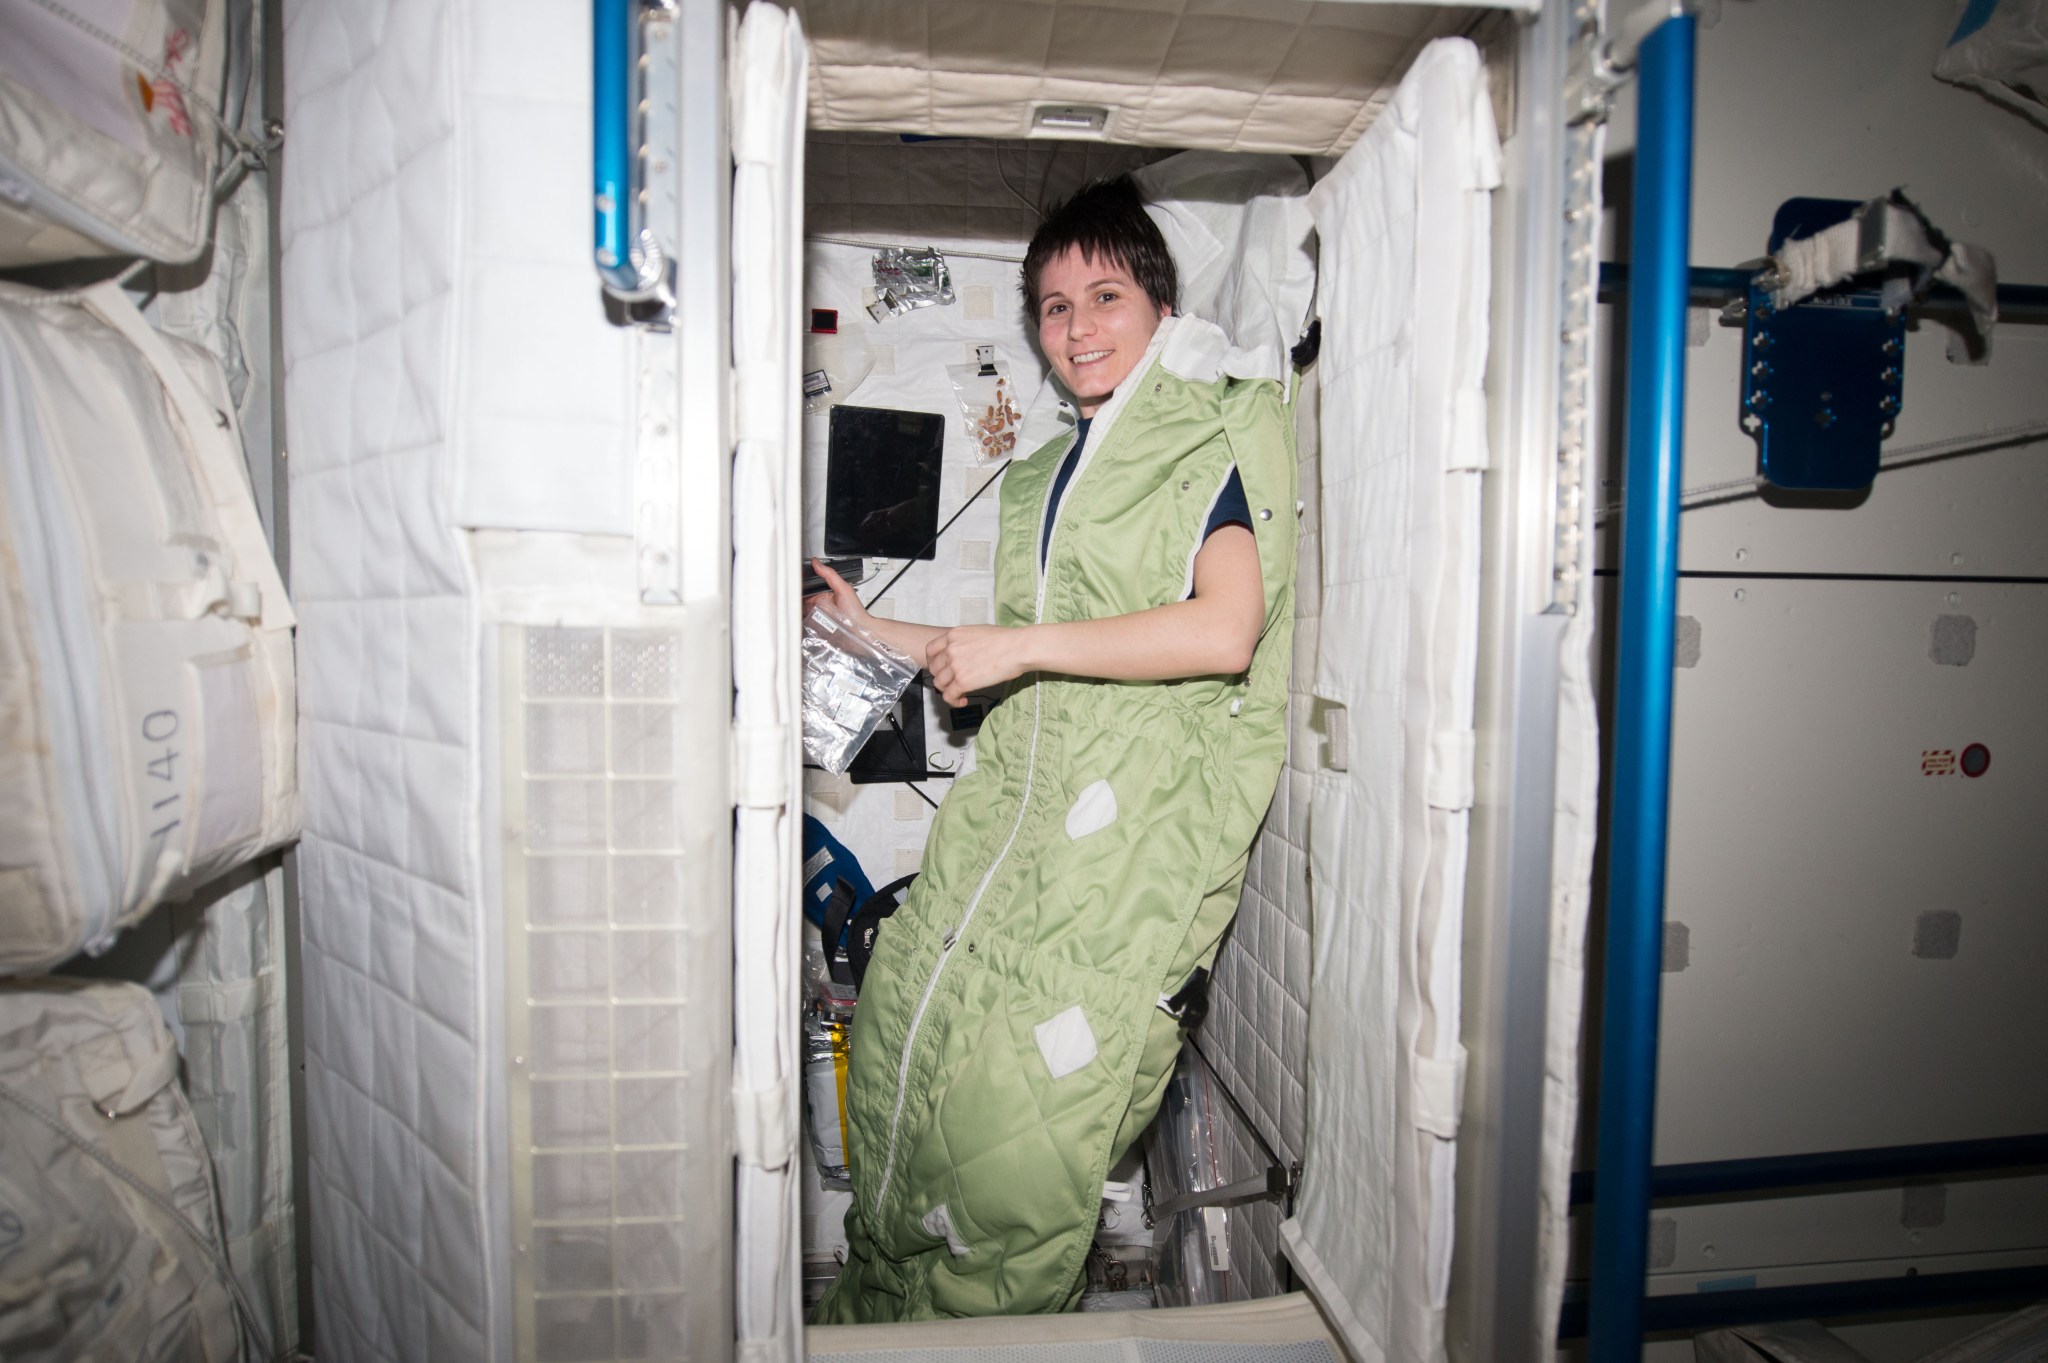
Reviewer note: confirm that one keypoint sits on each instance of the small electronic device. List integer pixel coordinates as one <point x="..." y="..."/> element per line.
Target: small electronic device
<point x="854" y="570"/>
<point x="882" y="482"/>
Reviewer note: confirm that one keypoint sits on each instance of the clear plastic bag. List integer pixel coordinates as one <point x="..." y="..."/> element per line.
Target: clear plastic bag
<point x="852" y="679"/>
<point x="1182" y="1156"/>
<point x="989" y="408"/>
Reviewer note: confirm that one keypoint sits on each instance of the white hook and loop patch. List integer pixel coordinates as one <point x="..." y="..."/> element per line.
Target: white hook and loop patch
<point x="939" y="1222"/>
<point x="1066" y="1041"/>
<point x="1094" y="809"/>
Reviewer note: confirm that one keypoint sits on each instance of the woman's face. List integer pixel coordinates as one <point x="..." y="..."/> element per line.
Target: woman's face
<point x="1094" y="323"/>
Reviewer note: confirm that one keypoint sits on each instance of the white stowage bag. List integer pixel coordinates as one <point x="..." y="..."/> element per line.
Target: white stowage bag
<point x="109" y="127"/>
<point x="147" y="720"/>
<point x="109" y="1246"/>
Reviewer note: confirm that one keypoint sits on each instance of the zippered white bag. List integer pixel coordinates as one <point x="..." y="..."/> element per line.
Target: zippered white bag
<point x="110" y="127"/>
<point x="147" y="721"/>
<point x="110" y="1242"/>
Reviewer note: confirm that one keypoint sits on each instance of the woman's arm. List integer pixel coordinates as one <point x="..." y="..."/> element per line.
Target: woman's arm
<point x="906" y="635"/>
<point x="1210" y="634"/>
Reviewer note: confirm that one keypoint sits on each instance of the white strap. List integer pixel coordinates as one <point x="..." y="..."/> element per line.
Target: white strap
<point x="1439" y="1088"/>
<point x="117" y="1081"/>
<point x="215" y="452"/>
<point x="1468" y="431"/>
<point x="760" y="766"/>
<point x="1448" y="783"/>
<point x="762" y="1132"/>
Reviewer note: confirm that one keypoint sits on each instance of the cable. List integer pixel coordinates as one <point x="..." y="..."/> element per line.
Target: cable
<point x="1927" y="451"/>
<point x="997" y="150"/>
<point x="917" y="558"/>
<point x="892" y="245"/>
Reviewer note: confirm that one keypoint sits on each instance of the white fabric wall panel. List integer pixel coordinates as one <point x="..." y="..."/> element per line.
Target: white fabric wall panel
<point x="431" y="327"/>
<point x="1404" y="220"/>
<point x="388" y="883"/>
<point x="767" y="259"/>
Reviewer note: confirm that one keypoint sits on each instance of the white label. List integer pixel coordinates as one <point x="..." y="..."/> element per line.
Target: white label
<point x="1216" y="1230"/>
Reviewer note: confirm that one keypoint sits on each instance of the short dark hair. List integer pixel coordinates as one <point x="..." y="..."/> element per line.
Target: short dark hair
<point x="1106" y="221"/>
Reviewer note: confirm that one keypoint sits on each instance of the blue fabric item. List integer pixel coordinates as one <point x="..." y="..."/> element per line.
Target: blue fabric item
<point x="1975" y="17"/>
<point x="1231" y="507"/>
<point x="827" y="861"/>
<point x="1059" y="487"/>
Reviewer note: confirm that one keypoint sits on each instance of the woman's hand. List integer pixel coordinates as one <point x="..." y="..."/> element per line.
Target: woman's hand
<point x="845" y="599"/>
<point x="975" y="658"/>
<point x="906" y="635"/>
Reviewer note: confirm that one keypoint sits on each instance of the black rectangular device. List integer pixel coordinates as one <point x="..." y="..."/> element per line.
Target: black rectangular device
<point x="882" y="482"/>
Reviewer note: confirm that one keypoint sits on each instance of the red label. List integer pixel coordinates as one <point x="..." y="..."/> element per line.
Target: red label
<point x="1938" y="762"/>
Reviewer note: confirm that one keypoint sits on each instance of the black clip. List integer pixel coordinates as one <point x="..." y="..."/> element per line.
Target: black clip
<point x="1190" y="1003"/>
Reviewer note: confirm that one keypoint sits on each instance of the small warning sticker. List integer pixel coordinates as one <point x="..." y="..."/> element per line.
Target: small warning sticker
<point x="1938" y="762"/>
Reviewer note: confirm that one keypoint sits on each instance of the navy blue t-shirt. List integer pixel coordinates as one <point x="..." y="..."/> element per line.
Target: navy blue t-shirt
<point x="1231" y="507"/>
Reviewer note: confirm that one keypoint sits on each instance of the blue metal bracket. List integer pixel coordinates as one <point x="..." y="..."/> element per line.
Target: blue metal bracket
<point x="633" y="156"/>
<point x="1823" y="380"/>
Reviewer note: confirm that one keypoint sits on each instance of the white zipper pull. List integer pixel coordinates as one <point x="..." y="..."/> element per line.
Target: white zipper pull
<point x="946" y="942"/>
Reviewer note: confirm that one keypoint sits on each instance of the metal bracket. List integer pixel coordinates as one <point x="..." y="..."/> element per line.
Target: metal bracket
<point x="635" y="129"/>
<point x="1823" y="380"/>
<point x="1277" y="1184"/>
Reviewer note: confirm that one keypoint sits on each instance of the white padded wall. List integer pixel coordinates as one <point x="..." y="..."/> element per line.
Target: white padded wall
<point x="1405" y="232"/>
<point x="767" y="261"/>
<point x="440" y="316"/>
<point x="371" y="275"/>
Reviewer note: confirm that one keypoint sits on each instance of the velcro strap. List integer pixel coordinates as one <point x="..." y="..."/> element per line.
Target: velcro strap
<point x="191" y="600"/>
<point x="1448" y="784"/>
<point x="1439" y="1088"/>
<point x="119" y="1082"/>
<point x="762" y="1133"/>
<point x="760" y="766"/>
<point x="1468" y="431"/>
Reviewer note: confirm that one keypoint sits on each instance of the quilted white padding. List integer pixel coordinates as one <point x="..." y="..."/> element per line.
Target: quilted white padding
<point x="1405" y="221"/>
<point x="767" y="278"/>
<point x="373" y="274"/>
<point x="1225" y="75"/>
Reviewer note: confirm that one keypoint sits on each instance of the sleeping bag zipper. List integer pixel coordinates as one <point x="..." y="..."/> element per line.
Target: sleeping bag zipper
<point x="952" y="938"/>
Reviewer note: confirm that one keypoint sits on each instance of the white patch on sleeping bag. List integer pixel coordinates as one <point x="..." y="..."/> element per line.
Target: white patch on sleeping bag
<point x="1066" y="1041"/>
<point x="939" y="1222"/>
<point x="1094" y="810"/>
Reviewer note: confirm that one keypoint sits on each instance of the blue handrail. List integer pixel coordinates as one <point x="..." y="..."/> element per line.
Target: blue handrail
<point x="1871" y="1164"/>
<point x="1908" y="1293"/>
<point x="1712" y="287"/>
<point x="611" y="122"/>
<point x="1640" y="782"/>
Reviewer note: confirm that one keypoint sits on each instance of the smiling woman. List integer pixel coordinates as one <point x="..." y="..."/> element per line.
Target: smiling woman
<point x="1011" y="1040"/>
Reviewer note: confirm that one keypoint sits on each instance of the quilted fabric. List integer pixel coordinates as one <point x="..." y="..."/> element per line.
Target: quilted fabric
<point x="1405" y="220"/>
<point x="391" y="920"/>
<point x="1234" y="75"/>
<point x="878" y="186"/>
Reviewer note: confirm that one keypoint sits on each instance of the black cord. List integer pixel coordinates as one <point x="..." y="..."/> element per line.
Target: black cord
<point x="917" y="558"/>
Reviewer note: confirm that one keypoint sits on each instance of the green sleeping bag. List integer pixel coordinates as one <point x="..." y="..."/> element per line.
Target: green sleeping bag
<point x="1010" y="1042"/>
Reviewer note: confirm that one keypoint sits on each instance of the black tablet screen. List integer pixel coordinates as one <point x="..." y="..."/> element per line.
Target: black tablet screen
<point x="882" y="482"/>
